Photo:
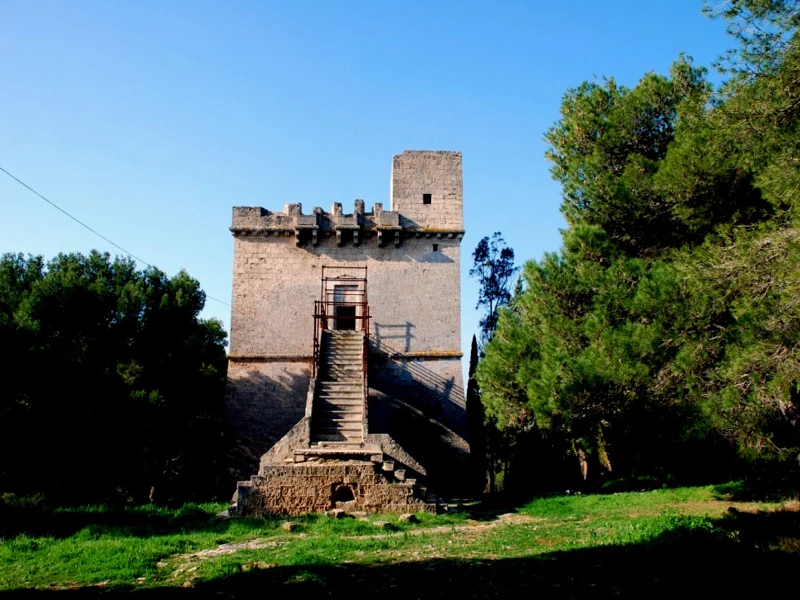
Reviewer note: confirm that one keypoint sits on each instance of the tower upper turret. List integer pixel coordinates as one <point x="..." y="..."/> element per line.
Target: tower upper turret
<point x="427" y="189"/>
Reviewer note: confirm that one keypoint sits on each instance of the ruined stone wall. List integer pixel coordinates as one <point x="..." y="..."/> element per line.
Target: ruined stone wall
<point x="415" y="173"/>
<point x="301" y="489"/>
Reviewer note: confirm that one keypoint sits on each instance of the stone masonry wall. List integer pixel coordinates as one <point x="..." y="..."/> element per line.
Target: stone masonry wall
<point x="414" y="297"/>
<point x="415" y="173"/>
<point x="414" y="294"/>
<point x="264" y="401"/>
<point x="301" y="489"/>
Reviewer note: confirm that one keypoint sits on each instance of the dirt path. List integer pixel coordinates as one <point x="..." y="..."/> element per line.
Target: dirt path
<point x="260" y="543"/>
<point x="183" y="565"/>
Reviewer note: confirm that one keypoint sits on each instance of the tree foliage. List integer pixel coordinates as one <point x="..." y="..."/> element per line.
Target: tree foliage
<point x="493" y="267"/>
<point x="111" y="385"/>
<point x="664" y="337"/>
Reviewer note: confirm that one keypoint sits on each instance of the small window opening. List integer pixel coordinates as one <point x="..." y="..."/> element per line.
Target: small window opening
<point x="426" y="198"/>
<point x="436" y="247"/>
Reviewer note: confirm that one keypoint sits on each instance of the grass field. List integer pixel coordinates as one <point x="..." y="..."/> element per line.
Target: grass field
<point x="687" y="541"/>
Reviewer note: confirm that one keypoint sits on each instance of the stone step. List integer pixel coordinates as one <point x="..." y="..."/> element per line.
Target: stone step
<point x="328" y="419"/>
<point x="340" y="394"/>
<point x="337" y="437"/>
<point x="351" y="388"/>
<point x="344" y="433"/>
<point x="350" y="366"/>
<point x="345" y="448"/>
<point x="337" y="410"/>
<point x="338" y="415"/>
<point x="339" y="407"/>
<point x="351" y="363"/>
<point x="341" y="418"/>
<point x="339" y="404"/>
<point x="332" y="427"/>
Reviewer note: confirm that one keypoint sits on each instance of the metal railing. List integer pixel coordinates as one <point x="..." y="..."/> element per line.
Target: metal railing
<point x="343" y="306"/>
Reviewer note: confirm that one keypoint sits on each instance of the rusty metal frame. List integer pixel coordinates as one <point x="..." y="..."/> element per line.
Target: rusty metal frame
<point x="325" y="310"/>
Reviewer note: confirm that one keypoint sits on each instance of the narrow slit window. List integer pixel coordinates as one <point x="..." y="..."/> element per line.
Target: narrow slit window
<point x="426" y="198"/>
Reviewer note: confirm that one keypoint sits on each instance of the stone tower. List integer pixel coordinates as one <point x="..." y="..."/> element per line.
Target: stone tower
<point x="345" y="379"/>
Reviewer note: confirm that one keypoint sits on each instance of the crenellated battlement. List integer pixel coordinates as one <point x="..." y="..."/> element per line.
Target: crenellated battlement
<point x="426" y="201"/>
<point x="358" y="226"/>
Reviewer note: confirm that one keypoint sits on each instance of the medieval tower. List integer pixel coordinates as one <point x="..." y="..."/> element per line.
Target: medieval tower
<point x="345" y="379"/>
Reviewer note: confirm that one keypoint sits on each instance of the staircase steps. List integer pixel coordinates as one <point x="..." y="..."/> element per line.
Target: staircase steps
<point x="338" y="411"/>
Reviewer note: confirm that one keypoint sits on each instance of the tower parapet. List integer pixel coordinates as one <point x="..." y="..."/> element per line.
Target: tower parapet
<point x="358" y="227"/>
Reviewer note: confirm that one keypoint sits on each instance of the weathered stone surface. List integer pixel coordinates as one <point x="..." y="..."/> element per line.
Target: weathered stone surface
<point x="408" y="518"/>
<point x="308" y="487"/>
<point x="416" y="402"/>
<point x="415" y="173"/>
<point x="264" y="401"/>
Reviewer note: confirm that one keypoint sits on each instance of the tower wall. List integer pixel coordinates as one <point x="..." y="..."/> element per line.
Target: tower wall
<point x="416" y="173"/>
<point x="414" y="296"/>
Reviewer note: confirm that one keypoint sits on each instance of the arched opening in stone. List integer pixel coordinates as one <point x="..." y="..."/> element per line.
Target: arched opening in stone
<point x="342" y="494"/>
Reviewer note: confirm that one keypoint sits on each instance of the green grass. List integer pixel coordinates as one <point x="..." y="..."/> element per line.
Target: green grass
<point x="150" y="548"/>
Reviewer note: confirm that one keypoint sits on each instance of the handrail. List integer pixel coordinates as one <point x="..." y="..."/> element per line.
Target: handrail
<point x="364" y="356"/>
<point x="320" y="324"/>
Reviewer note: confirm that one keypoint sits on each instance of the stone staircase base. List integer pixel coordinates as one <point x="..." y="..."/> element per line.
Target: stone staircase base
<point x="297" y="489"/>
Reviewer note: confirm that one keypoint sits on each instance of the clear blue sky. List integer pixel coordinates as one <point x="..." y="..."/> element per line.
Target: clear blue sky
<point x="150" y="119"/>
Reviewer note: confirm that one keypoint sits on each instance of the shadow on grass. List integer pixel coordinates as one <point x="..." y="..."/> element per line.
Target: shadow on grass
<point x="135" y="521"/>
<point x="741" y="555"/>
<point x="764" y="489"/>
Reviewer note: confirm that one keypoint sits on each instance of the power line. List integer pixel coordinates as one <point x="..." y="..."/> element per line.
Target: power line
<point x="94" y="231"/>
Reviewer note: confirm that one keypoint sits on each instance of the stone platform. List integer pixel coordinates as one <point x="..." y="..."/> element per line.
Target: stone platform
<point x="320" y="484"/>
